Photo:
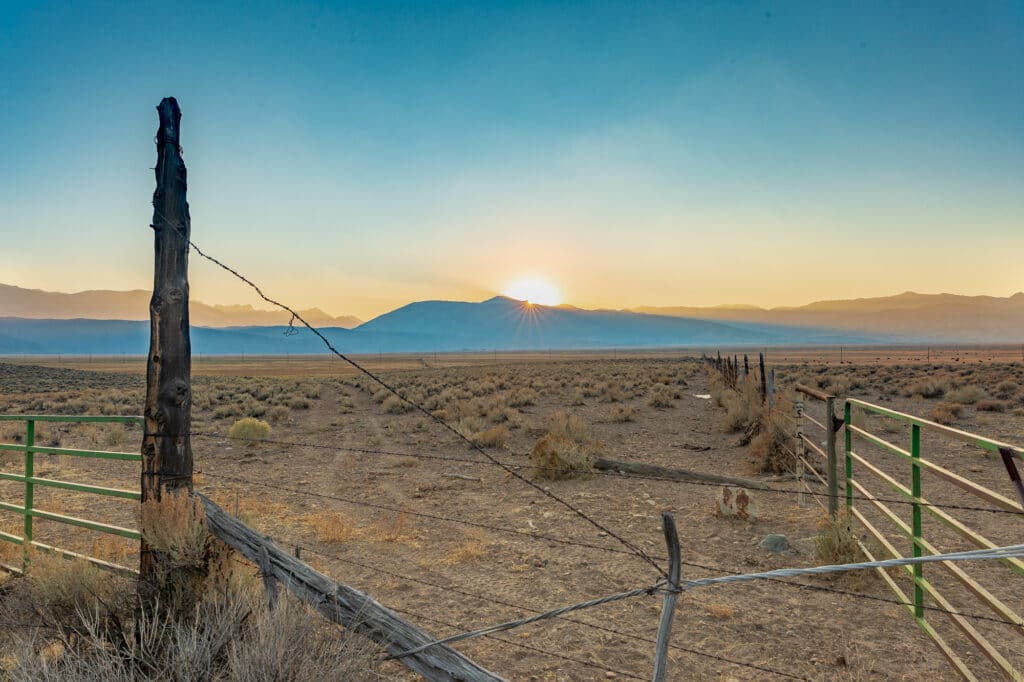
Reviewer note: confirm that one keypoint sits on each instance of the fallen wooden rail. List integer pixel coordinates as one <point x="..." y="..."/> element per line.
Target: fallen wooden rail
<point x="655" y="471"/>
<point x="343" y="604"/>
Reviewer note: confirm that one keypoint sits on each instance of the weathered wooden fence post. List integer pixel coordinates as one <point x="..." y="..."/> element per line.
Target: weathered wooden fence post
<point x="668" y="608"/>
<point x="764" y="379"/>
<point x="166" y="446"/>
<point x="830" y="444"/>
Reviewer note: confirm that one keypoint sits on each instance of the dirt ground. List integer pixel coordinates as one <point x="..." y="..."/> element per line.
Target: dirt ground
<point x="452" y="541"/>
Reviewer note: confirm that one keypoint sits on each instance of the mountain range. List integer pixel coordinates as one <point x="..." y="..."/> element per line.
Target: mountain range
<point x="908" y="317"/>
<point x="134" y="305"/>
<point x="111" y="322"/>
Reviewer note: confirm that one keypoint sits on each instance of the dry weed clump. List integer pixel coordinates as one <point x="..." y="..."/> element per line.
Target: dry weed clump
<point x="395" y="405"/>
<point x="229" y="635"/>
<point x="249" y="429"/>
<point x="568" y="426"/>
<point x="623" y="413"/>
<point x="743" y="408"/>
<point x="965" y="395"/>
<point x="660" y="397"/>
<point x="1005" y="390"/>
<point x="773" y="447"/>
<point x="927" y="388"/>
<point x="836" y="542"/>
<point x="946" y="413"/>
<point x="494" y="437"/>
<point x="989" y="405"/>
<point x="557" y="456"/>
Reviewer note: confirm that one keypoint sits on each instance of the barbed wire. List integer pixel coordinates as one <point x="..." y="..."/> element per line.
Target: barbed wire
<point x="598" y="472"/>
<point x="494" y="600"/>
<point x="436" y="517"/>
<point x="413" y="404"/>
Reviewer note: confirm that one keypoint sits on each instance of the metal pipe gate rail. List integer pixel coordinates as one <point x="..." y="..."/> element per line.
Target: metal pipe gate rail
<point x="29" y="511"/>
<point x="858" y="496"/>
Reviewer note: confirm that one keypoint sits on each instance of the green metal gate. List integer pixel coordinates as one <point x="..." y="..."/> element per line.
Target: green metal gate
<point x="28" y="509"/>
<point x="859" y="498"/>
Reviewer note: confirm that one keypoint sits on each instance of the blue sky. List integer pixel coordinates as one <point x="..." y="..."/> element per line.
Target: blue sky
<point x="360" y="156"/>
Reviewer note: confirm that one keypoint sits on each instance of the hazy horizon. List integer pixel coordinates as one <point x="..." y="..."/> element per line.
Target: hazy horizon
<point x="356" y="159"/>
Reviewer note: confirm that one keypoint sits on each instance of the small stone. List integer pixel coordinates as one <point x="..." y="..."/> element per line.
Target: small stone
<point x="775" y="542"/>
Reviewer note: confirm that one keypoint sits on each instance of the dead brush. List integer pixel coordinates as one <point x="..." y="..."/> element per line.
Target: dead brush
<point x="557" y="456"/>
<point x="743" y="408"/>
<point x="836" y="542"/>
<point x="773" y="445"/>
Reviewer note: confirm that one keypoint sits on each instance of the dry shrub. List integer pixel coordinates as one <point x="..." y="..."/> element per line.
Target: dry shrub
<point x="523" y="397"/>
<point x="494" y="437"/>
<point x="1006" y="389"/>
<point x="623" y="413"/>
<point x="660" y="396"/>
<point x="176" y="527"/>
<point x="611" y="393"/>
<point x="743" y="408"/>
<point x="992" y="405"/>
<point x="230" y="636"/>
<point x="774" y="444"/>
<point x="836" y="542"/>
<point x="568" y="426"/>
<point x="332" y="526"/>
<point x="946" y="413"/>
<point x="58" y="588"/>
<point x="577" y="398"/>
<point x="279" y="413"/>
<point x="395" y="405"/>
<point x="557" y="456"/>
<point x="965" y="395"/>
<point x="249" y="429"/>
<point x="927" y="388"/>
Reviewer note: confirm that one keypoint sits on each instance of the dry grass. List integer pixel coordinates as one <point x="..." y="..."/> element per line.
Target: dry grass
<point x="332" y="526"/>
<point x="249" y="429"/>
<point x="473" y="547"/>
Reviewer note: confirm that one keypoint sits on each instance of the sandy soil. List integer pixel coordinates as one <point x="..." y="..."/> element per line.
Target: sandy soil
<point x="383" y="545"/>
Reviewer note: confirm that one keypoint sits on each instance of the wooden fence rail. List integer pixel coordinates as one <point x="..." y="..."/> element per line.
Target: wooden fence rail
<point x="342" y="604"/>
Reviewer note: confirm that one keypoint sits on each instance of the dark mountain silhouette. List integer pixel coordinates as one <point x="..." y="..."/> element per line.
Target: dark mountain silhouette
<point x="134" y="305"/>
<point x="429" y="326"/>
<point x="906" y="317"/>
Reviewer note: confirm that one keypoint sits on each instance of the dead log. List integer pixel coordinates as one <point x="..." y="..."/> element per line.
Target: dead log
<point x="655" y="471"/>
<point x="344" y="605"/>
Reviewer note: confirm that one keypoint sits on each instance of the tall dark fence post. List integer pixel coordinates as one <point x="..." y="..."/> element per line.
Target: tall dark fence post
<point x="764" y="378"/>
<point x="166" y="447"/>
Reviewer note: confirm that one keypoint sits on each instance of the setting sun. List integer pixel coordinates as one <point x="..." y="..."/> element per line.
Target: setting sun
<point x="534" y="290"/>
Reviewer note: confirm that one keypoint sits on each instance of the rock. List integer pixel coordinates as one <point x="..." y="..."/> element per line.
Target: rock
<point x="775" y="542"/>
<point x="736" y="502"/>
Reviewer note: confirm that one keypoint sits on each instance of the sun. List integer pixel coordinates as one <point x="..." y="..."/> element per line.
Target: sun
<point x="534" y="290"/>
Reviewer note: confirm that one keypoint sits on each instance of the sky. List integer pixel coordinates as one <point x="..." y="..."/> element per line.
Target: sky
<point x="360" y="156"/>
